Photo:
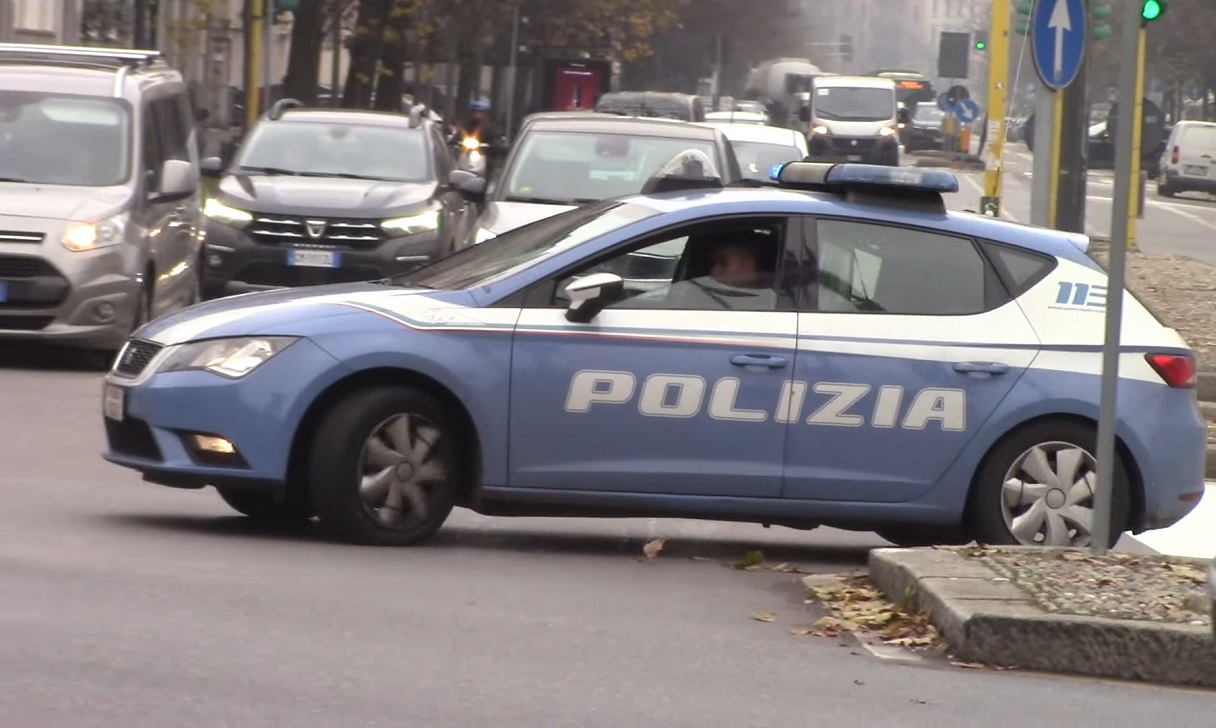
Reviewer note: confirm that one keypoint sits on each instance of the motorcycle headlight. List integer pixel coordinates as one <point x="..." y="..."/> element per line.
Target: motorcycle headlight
<point x="412" y="224"/>
<point x="483" y="235"/>
<point x="232" y="358"/>
<point x="218" y="211"/>
<point x="93" y="235"/>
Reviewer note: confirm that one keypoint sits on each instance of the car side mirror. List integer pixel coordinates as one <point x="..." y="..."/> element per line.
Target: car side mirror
<point x="591" y="294"/>
<point x="804" y="114"/>
<point x="211" y="167"/>
<point x="471" y="186"/>
<point x="178" y="178"/>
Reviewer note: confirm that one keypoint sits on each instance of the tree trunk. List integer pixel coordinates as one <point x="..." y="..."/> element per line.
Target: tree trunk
<point x="365" y="50"/>
<point x="304" y="60"/>
<point x="390" y="83"/>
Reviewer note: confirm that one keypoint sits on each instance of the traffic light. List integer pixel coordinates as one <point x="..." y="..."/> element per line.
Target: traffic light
<point x="1152" y="10"/>
<point x="1021" y="24"/>
<point x="1102" y="13"/>
<point x="981" y="40"/>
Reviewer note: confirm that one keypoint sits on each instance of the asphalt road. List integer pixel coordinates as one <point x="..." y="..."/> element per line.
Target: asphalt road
<point x="125" y="604"/>
<point x="1185" y="225"/>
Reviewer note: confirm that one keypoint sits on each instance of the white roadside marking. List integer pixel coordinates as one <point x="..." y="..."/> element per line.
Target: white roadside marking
<point x="1193" y="536"/>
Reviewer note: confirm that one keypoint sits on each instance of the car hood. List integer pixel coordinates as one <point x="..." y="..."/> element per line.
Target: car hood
<point x="500" y="217"/>
<point x="61" y="202"/>
<point x="294" y="311"/>
<point x="325" y="196"/>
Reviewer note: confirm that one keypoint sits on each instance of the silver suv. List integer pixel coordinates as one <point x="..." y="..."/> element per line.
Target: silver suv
<point x="100" y="202"/>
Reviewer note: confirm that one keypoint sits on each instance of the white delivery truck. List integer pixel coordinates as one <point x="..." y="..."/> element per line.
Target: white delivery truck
<point x="853" y="119"/>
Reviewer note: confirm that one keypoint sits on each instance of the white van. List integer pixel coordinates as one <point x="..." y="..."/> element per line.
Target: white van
<point x="1189" y="163"/>
<point x="853" y="119"/>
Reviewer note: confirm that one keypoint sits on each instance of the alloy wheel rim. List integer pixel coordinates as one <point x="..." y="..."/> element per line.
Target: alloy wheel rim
<point x="399" y="469"/>
<point x="1047" y="495"/>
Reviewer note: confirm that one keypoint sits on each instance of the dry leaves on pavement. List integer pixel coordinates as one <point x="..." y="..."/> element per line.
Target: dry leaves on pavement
<point x="857" y="607"/>
<point x="652" y="548"/>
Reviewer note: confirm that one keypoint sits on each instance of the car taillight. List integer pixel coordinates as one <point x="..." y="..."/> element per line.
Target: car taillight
<point x="1178" y="370"/>
<point x="1174" y="156"/>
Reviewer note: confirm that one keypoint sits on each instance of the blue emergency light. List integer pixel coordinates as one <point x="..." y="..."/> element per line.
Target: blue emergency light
<point x="818" y="174"/>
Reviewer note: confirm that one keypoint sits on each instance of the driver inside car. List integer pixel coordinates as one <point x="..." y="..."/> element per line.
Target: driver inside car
<point x="737" y="277"/>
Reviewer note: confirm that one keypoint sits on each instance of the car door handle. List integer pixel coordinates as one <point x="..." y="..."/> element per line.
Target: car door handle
<point x="981" y="367"/>
<point x="759" y="360"/>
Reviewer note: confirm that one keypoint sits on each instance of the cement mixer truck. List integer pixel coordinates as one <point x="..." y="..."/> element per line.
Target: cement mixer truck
<point x="783" y="85"/>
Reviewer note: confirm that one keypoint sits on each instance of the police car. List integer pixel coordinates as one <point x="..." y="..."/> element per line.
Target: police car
<point x="835" y="349"/>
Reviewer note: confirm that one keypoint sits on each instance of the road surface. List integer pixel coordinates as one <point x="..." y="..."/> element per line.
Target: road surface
<point x="128" y="604"/>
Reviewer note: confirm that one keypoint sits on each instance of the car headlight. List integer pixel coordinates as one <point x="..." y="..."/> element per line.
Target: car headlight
<point x="422" y="222"/>
<point x="233" y="358"/>
<point x="483" y="235"/>
<point x="887" y="131"/>
<point x="93" y="235"/>
<point x="226" y="214"/>
<point x="820" y="129"/>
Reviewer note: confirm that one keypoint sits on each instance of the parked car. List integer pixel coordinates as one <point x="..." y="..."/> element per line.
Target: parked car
<point x="324" y="195"/>
<point x="100" y="196"/>
<point x="802" y="365"/>
<point x="1189" y="161"/>
<point x="924" y="128"/>
<point x="760" y="149"/>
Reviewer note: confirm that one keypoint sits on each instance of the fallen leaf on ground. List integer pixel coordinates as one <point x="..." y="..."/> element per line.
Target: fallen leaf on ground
<point x="1189" y="573"/>
<point x="764" y="617"/>
<point x="753" y="558"/>
<point x="1073" y="556"/>
<point x="970" y="665"/>
<point x="652" y="548"/>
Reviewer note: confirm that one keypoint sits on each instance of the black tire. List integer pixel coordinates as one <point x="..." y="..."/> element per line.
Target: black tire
<point x="1164" y="189"/>
<point x="285" y="508"/>
<point x="985" y="520"/>
<point x="336" y="461"/>
<point x="916" y="536"/>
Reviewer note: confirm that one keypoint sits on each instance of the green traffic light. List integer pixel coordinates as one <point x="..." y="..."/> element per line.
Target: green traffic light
<point x="1152" y="9"/>
<point x="981" y="45"/>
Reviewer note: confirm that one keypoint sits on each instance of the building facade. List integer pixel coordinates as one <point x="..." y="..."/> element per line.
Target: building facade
<point x="40" y="21"/>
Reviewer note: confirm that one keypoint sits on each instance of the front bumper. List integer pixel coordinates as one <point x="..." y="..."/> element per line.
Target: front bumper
<point x="233" y="262"/>
<point x="922" y="138"/>
<point x="52" y="295"/>
<point x="867" y="150"/>
<point x="259" y="414"/>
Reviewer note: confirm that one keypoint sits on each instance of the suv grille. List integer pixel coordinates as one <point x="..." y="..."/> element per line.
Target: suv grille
<point x="316" y="232"/>
<point x="135" y="356"/>
<point x="11" y="236"/>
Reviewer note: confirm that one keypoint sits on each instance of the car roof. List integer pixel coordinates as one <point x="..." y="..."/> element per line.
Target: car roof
<point x="81" y="79"/>
<point x="778" y="201"/>
<point x="755" y="133"/>
<point x="596" y="123"/>
<point x="348" y="116"/>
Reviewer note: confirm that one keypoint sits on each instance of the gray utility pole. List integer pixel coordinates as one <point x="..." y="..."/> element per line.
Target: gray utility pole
<point x="1043" y="162"/>
<point x="1072" y="189"/>
<point x="1129" y="71"/>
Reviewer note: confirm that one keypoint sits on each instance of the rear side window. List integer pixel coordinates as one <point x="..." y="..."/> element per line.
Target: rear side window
<point x="1020" y="269"/>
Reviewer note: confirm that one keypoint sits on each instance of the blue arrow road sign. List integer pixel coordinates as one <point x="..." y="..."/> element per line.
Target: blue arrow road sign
<point x="1059" y="33"/>
<point x="967" y="111"/>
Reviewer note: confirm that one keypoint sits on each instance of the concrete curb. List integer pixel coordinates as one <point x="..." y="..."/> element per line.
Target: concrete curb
<point x="987" y="619"/>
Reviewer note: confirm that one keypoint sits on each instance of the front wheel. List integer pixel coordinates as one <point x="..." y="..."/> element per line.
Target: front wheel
<point x="384" y="468"/>
<point x="1036" y="488"/>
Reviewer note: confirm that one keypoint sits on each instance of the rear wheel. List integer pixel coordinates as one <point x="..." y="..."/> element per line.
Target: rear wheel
<point x="1036" y="488"/>
<point x="384" y="469"/>
<point x="287" y="507"/>
<point x="1164" y="188"/>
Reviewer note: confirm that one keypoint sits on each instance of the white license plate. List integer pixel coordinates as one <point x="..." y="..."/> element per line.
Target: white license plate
<point x="114" y="403"/>
<point x="854" y="157"/>
<point x="313" y="258"/>
<point x="1195" y="170"/>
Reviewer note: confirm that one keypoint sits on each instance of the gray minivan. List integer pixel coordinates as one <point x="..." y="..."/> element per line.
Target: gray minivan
<point x="100" y="199"/>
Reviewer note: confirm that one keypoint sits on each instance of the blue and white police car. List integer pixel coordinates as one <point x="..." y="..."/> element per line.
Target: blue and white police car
<point x="837" y="349"/>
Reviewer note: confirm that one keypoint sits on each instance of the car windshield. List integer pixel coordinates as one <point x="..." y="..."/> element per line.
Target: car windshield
<point x="573" y="168"/>
<point x="315" y="149"/>
<point x="757" y="159"/>
<point x="518" y="249"/>
<point x="58" y="139"/>
<point x="842" y="103"/>
<point x="929" y="113"/>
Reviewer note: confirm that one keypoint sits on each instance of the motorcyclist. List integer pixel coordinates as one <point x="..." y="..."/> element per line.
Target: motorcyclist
<point x="477" y="125"/>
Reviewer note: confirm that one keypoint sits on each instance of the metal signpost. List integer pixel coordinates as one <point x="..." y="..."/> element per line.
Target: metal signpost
<point x="998" y="72"/>
<point x="1058" y="30"/>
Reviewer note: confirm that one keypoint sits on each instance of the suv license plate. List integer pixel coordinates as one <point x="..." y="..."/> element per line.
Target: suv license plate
<point x="313" y="259"/>
<point x="114" y="403"/>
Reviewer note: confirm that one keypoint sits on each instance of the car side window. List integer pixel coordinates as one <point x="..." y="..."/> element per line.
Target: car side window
<point x="730" y="265"/>
<point x="153" y="154"/>
<point x="1021" y="268"/>
<point x="174" y="136"/>
<point x="876" y="268"/>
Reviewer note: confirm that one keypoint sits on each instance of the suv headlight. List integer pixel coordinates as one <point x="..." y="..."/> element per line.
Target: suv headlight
<point x="93" y="235"/>
<point x="233" y="358"/>
<point x="422" y="222"/>
<point x="226" y="214"/>
<point x="483" y="235"/>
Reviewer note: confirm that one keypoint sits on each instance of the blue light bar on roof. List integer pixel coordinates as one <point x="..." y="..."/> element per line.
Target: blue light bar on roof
<point x="866" y="175"/>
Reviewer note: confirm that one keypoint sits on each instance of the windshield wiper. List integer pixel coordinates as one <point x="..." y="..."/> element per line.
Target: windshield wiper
<point x="270" y="170"/>
<point x="342" y="175"/>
